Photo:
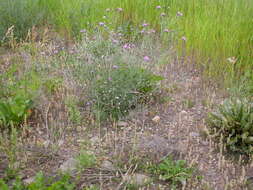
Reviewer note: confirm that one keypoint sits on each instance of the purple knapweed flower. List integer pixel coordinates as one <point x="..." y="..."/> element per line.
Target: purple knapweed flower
<point x="115" y="66"/>
<point x="146" y="58"/>
<point x="142" y="31"/>
<point x="145" y="24"/>
<point x="158" y="7"/>
<point x="55" y="51"/>
<point x="101" y="24"/>
<point x="184" y="38"/>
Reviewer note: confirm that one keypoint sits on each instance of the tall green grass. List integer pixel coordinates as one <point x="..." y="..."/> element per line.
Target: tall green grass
<point x="22" y="14"/>
<point x="214" y="30"/>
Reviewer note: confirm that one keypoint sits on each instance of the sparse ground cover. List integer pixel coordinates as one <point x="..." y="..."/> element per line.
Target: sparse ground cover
<point x="105" y="95"/>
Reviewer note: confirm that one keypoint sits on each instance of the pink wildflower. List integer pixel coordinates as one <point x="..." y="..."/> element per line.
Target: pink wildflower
<point x="158" y="7"/>
<point x="146" y="58"/>
<point x="145" y="24"/>
<point x="128" y="46"/>
<point x="115" y="41"/>
<point x="142" y="31"/>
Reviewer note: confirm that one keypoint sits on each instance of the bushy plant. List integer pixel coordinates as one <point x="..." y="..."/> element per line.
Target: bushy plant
<point x="233" y="122"/>
<point x="174" y="171"/>
<point x="120" y="89"/>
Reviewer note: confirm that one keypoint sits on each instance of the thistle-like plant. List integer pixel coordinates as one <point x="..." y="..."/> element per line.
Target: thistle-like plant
<point x="233" y="122"/>
<point x="121" y="89"/>
<point x="176" y="172"/>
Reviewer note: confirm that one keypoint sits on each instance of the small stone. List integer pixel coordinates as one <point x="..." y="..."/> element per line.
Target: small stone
<point x="94" y="140"/>
<point x="29" y="180"/>
<point x="80" y="128"/>
<point x="156" y="119"/>
<point x="157" y="147"/>
<point x="137" y="179"/>
<point x="183" y="112"/>
<point x="107" y="165"/>
<point x="122" y="124"/>
<point x="69" y="165"/>
<point x="205" y="143"/>
<point x="46" y="143"/>
<point x="60" y="142"/>
<point x="194" y="134"/>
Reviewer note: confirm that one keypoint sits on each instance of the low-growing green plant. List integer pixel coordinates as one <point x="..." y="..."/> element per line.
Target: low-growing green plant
<point x="120" y="89"/>
<point x="174" y="171"/>
<point x="40" y="183"/>
<point x="92" y="187"/>
<point x="9" y="147"/>
<point x="73" y="110"/>
<point x="188" y="103"/>
<point x="19" y="87"/>
<point x="132" y="186"/>
<point x="51" y="85"/>
<point x="233" y="122"/>
<point x="13" y="111"/>
<point x="85" y="160"/>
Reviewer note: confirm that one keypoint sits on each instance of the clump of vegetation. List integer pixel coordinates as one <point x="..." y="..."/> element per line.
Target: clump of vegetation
<point x="175" y="172"/>
<point x="85" y="160"/>
<point x="120" y="90"/>
<point x="13" y="111"/>
<point x="16" y="98"/>
<point x="41" y="182"/>
<point x="233" y="123"/>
